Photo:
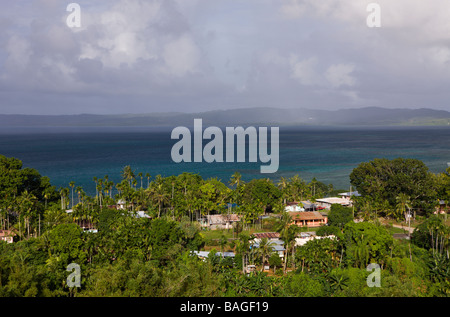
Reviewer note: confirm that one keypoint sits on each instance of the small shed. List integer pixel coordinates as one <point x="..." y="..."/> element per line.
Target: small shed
<point x="7" y="236"/>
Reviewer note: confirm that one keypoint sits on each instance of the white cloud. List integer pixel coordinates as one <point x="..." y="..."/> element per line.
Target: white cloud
<point x="340" y="75"/>
<point x="181" y="56"/>
<point x="19" y="52"/>
<point x="305" y="70"/>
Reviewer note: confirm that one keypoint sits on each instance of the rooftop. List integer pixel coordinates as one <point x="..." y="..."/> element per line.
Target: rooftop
<point x="268" y="235"/>
<point x="333" y="200"/>
<point x="219" y="219"/>
<point x="306" y="215"/>
<point x="7" y="233"/>
<point x="355" y="193"/>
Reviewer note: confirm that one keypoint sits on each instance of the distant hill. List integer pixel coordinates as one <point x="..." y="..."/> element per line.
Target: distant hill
<point x="370" y="116"/>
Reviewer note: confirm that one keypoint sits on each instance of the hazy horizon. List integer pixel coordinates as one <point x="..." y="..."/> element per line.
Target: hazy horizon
<point x="156" y="112"/>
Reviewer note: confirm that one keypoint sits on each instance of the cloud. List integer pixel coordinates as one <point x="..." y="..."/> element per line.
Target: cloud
<point x="340" y="75"/>
<point x="197" y="55"/>
<point x="305" y="71"/>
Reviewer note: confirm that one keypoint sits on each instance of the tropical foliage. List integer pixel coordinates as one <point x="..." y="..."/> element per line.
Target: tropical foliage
<point x="130" y="255"/>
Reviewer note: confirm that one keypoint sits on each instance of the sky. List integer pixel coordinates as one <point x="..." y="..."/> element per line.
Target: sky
<point x="131" y="56"/>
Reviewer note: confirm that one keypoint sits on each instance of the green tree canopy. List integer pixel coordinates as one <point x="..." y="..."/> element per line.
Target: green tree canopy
<point x="339" y="215"/>
<point x="383" y="179"/>
<point x="367" y="242"/>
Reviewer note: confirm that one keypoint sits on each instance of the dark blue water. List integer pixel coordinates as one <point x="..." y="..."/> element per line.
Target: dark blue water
<point x="329" y="154"/>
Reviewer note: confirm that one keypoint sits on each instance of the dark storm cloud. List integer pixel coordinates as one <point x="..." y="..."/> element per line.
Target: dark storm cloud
<point x="199" y="55"/>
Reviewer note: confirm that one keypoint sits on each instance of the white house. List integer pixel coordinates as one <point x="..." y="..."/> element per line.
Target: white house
<point x="121" y="204"/>
<point x="204" y="254"/>
<point x="294" y="207"/>
<point x="345" y="199"/>
<point x="305" y="237"/>
<point x="348" y="195"/>
<point x="219" y="221"/>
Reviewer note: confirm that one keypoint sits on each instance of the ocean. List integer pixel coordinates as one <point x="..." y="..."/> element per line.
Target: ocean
<point x="329" y="154"/>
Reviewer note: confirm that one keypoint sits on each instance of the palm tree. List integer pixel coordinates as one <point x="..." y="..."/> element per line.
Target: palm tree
<point x="384" y="207"/>
<point x="338" y="280"/>
<point x="140" y="175"/>
<point x="27" y="203"/>
<point x="79" y="190"/>
<point x="223" y="241"/>
<point x="265" y="250"/>
<point x="159" y="195"/>
<point x="287" y="233"/>
<point x="236" y="179"/>
<point x="283" y="185"/>
<point x="148" y="179"/>
<point x="313" y="184"/>
<point x="283" y="224"/>
<point x="242" y="247"/>
<point x="298" y="188"/>
<point x="128" y="174"/>
<point x="403" y="203"/>
<point x="64" y="192"/>
<point x="290" y="242"/>
<point x="47" y="194"/>
<point x="95" y="181"/>
<point x="72" y="185"/>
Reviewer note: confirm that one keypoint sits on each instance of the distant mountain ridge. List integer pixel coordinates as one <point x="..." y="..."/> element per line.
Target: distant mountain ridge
<point x="369" y="116"/>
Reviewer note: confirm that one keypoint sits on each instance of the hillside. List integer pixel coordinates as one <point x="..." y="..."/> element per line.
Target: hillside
<point x="370" y="116"/>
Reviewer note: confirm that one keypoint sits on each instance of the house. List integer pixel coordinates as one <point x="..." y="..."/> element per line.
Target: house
<point x="327" y="202"/>
<point x="7" y="236"/>
<point x="269" y="235"/>
<point x="121" y="204"/>
<point x="304" y="205"/>
<point x="204" y="254"/>
<point x="309" y="206"/>
<point x="308" y="236"/>
<point x="348" y="195"/>
<point x="141" y="214"/>
<point x="308" y="219"/>
<point x="442" y="208"/>
<point x="219" y="221"/>
<point x="294" y="207"/>
<point x="277" y="246"/>
<point x="344" y="199"/>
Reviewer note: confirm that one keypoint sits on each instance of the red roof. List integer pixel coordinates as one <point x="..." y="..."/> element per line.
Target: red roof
<point x="268" y="235"/>
<point x="306" y="215"/>
<point x="7" y="233"/>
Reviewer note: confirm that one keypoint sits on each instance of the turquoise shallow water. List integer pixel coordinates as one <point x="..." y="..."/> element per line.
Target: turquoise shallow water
<point x="329" y="154"/>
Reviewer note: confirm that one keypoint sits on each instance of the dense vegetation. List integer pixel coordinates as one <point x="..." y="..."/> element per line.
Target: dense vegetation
<point x="134" y="256"/>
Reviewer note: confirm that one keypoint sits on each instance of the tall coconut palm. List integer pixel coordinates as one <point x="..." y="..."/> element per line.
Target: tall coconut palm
<point x="242" y="247"/>
<point x="236" y="179"/>
<point x="159" y="195"/>
<point x="128" y="174"/>
<point x="64" y="193"/>
<point x="313" y="185"/>
<point x="265" y="250"/>
<point x="298" y="188"/>
<point x="147" y="175"/>
<point x="287" y="233"/>
<point x="403" y="203"/>
<point x="79" y="191"/>
<point x="72" y="185"/>
<point x="283" y="186"/>
<point x="27" y="203"/>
